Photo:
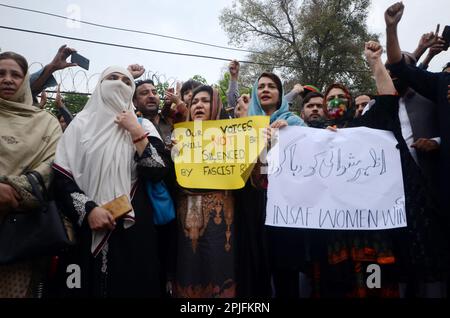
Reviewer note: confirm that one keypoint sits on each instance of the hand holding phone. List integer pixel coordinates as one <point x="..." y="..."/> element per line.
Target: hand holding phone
<point x="80" y="60"/>
<point x="446" y="37"/>
<point x="437" y="29"/>
<point x="170" y="96"/>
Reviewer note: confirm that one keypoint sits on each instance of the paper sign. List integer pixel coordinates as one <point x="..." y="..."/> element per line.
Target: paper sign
<point x="217" y="154"/>
<point x="345" y="180"/>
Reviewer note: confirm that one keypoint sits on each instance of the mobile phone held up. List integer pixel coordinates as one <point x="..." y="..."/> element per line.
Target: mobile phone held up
<point x="80" y="60"/>
<point x="446" y="37"/>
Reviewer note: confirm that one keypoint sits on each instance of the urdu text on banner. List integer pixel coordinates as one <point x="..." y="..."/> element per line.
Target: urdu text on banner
<point x="345" y="180"/>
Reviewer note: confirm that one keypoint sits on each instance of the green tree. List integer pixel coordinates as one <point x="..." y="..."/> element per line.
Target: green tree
<point x="161" y="88"/>
<point x="200" y="79"/>
<point x="73" y="101"/>
<point x="318" y="42"/>
<point x="222" y="87"/>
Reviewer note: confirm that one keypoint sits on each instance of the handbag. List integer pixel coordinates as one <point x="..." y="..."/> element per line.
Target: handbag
<point x="36" y="233"/>
<point x="163" y="208"/>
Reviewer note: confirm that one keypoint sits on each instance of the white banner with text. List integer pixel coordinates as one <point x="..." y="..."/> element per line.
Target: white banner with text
<point x="345" y="180"/>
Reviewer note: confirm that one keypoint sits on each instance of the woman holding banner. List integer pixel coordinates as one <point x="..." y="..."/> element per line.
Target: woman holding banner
<point x="206" y="247"/>
<point x="413" y="254"/>
<point x="257" y="243"/>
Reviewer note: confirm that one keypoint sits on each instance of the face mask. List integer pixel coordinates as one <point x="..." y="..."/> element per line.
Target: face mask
<point x="337" y="108"/>
<point x="116" y="94"/>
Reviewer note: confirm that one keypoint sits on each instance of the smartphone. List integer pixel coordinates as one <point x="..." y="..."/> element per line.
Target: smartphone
<point x="446" y="37"/>
<point x="80" y="60"/>
<point x="437" y="29"/>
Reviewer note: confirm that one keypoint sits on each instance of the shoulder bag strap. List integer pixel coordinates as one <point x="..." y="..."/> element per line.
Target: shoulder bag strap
<point x="34" y="177"/>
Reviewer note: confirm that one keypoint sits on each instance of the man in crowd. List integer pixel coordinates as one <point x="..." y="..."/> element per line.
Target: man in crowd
<point x="313" y="110"/>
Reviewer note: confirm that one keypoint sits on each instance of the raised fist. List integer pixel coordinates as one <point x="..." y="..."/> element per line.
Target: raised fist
<point x="136" y="70"/>
<point x="393" y="14"/>
<point x="372" y="51"/>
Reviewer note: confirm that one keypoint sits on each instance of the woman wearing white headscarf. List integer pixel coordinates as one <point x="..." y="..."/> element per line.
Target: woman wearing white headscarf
<point x="103" y="154"/>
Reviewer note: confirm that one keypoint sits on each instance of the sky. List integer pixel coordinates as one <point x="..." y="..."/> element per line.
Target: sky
<point x="196" y="20"/>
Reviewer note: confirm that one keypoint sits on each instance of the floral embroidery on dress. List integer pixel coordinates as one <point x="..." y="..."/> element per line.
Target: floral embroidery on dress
<point x="10" y="140"/>
<point x="150" y="158"/>
<point x="196" y="220"/>
<point x="105" y="258"/>
<point x="79" y="203"/>
<point x="197" y="211"/>
<point x="46" y="139"/>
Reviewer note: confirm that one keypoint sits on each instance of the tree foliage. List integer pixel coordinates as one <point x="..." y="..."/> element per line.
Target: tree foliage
<point x="312" y="42"/>
<point x="222" y="87"/>
<point x="74" y="102"/>
<point x="200" y="79"/>
<point x="161" y="88"/>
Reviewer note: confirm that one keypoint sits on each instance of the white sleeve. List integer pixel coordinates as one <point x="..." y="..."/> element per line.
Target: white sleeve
<point x="437" y="139"/>
<point x="368" y="106"/>
<point x="150" y="128"/>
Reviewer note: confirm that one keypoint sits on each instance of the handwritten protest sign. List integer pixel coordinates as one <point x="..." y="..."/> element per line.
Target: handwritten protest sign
<point x="345" y="180"/>
<point x="217" y="154"/>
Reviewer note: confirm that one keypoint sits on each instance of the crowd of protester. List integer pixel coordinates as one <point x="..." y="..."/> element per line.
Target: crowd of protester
<point x="218" y="245"/>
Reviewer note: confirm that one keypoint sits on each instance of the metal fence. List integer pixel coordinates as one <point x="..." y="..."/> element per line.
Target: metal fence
<point x="81" y="82"/>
